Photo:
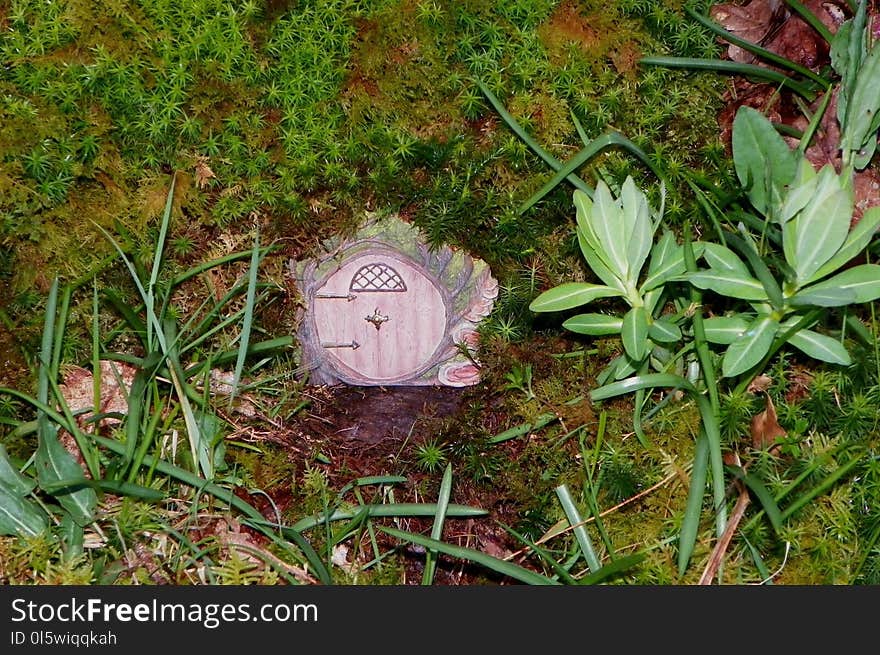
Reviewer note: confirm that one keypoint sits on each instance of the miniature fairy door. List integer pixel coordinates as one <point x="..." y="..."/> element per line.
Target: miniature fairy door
<point x="380" y="318"/>
<point x="384" y="308"/>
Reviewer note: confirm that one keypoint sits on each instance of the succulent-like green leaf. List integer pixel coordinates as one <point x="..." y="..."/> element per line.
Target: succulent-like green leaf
<point x="19" y="517"/>
<point x="749" y="349"/>
<point x="594" y="324"/>
<point x="764" y="163"/>
<point x="569" y="295"/>
<point x="606" y="219"/>
<point x="728" y="283"/>
<point x="821" y="347"/>
<point x="724" y="329"/>
<point x="624" y="366"/>
<point x="721" y="258"/>
<point x="839" y="48"/>
<point x="855" y="243"/>
<point x="745" y="246"/>
<point x="855" y="285"/>
<point x="638" y="227"/>
<point x="634" y="333"/>
<point x="53" y="464"/>
<point x="596" y="264"/>
<point x="667" y="261"/>
<point x="822" y="226"/>
<point x="664" y="331"/>
<point x="865" y="154"/>
<point x="800" y="193"/>
<point x="863" y="106"/>
<point x="11" y="478"/>
<point x="589" y="242"/>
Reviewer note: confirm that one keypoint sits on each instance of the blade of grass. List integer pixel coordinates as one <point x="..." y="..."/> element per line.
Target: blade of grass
<point x="687" y="538"/>
<point x="150" y="298"/>
<point x="499" y="566"/>
<point x="562" y="570"/>
<point x="580" y="531"/>
<point x="89" y="456"/>
<point x="618" y="566"/>
<point x="60" y="327"/>
<point x="755" y="49"/>
<point x="201" y="450"/>
<point x="392" y="510"/>
<point x="213" y="263"/>
<point x="147" y="439"/>
<point x="597" y="145"/>
<point x="554" y="163"/>
<point x="437" y="528"/>
<point x="710" y="428"/>
<point x="369" y="481"/>
<point x="821" y="488"/>
<point x="129" y="316"/>
<point x="734" y="68"/>
<point x="267" y="346"/>
<point x="582" y="133"/>
<point x="213" y="322"/>
<point x="794" y="484"/>
<point x="762" y="272"/>
<point x="136" y="402"/>
<point x="45" y="357"/>
<point x="96" y="352"/>
<point x="762" y="494"/>
<point x="701" y="345"/>
<point x="112" y="486"/>
<point x="248" y="320"/>
<point x="811" y="19"/>
<point x="523" y="428"/>
<point x="590" y="490"/>
<point x="763" y="571"/>
<point x="815" y="121"/>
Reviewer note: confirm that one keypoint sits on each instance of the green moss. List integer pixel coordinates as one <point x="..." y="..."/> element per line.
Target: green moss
<point x="308" y="115"/>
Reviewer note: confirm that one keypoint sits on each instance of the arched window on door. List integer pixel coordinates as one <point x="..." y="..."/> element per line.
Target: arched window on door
<point x="377" y="277"/>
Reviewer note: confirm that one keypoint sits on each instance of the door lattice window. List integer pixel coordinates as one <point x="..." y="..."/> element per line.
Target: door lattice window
<point x="377" y="277"/>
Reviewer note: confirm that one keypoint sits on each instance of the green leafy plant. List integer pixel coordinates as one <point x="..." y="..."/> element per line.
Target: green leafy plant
<point x="812" y="212"/>
<point x="855" y="56"/>
<point x="519" y="378"/>
<point x="616" y="237"/>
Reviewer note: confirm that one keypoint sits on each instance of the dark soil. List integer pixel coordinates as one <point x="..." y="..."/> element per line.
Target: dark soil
<point x="378" y="417"/>
<point x="367" y="431"/>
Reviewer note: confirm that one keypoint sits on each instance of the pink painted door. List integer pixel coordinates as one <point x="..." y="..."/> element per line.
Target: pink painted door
<point x="379" y="318"/>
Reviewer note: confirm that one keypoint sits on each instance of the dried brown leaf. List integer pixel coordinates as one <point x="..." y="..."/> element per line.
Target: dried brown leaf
<point x="751" y="22"/>
<point x="203" y="173"/>
<point x="765" y="428"/>
<point x="760" y="384"/>
<point x="797" y="41"/>
<point x="78" y="392"/>
<point x="866" y="186"/>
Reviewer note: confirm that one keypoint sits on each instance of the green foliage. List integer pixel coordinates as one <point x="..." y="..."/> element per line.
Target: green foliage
<point x="306" y="114"/>
<point x="812" y="213"/>
<point x="431" y="456"/>
<point x="616" y="239"/>
<point x="858" y="101"/>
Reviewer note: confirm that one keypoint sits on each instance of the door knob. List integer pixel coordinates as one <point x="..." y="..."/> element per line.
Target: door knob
<point x="376" y="318"/>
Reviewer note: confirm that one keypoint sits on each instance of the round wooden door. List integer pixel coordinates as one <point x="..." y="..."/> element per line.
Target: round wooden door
<point x="379" y="319"/>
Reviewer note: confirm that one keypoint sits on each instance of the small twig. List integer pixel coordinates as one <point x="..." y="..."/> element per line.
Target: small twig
<point x="720" y="549"/>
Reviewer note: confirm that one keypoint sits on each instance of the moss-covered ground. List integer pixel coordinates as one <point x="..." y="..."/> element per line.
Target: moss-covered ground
<point x="299" y="117"/>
